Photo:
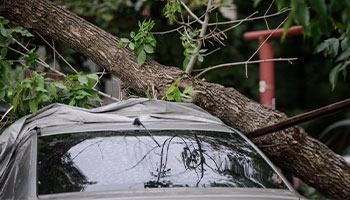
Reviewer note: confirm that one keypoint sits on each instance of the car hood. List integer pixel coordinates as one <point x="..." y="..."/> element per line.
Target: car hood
<point x="181" y="193"/>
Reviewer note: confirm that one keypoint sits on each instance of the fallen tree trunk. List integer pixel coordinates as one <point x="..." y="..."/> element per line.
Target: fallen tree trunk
<point x="291" y="149"/>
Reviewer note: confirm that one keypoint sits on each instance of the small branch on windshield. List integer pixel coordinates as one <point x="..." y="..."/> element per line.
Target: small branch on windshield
<point x="202" y="159"/>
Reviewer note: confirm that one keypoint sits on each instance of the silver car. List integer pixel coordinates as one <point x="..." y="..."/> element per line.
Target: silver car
<point x="134" y="149"/>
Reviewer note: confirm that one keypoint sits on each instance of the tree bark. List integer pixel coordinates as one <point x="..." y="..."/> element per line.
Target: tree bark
<point x="291" y="149"/>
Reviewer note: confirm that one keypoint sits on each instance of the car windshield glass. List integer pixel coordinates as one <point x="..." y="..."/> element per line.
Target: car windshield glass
<point x="100" y="161"/>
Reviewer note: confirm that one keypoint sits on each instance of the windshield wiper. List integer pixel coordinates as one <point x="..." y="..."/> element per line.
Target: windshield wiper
<point x="137" y="122"/>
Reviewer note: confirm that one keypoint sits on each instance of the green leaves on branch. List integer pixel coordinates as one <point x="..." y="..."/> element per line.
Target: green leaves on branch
<point x="175" y="94"/>
<point x="28" y="95"/>
<point x="190" y="45"/>
<point x="322" y="19"/>
<point x="170" y="9"/>
<point x="77" y="90"/>
<point x="8" y="33"/>
<point x="32" y="93"/>
<point x="338" y="49"/>
<point x="141" y="43"/>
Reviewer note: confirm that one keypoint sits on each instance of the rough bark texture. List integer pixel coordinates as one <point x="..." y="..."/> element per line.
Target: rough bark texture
<point x="291" y="149"/>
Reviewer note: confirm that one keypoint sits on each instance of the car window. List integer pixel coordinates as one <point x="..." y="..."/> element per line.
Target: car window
<point x="99" y="161"/>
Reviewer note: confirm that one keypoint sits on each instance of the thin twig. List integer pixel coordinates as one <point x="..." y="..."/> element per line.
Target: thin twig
<point x="215" y="50"/>
<point x="267" y="38"/>
<point x="176" y="29"/>
<point x="245" y="63"/>
<point x="7" y="112"/>
<point x="57" y="52"/>
<point x="212" y="34"/>
<point x="44" y="64"/>
<point x="54" y="54"/>
<point x="201" y="35"/>
<point x="191" y="13"/>
<point x="223" y="23"/>
<point x="103" y="72"/>
<point x="4" y="123"/>
<point x="268" y="9"/>
<point x="251" y="19"/>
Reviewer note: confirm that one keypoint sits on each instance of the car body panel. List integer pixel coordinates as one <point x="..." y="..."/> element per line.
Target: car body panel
<point x="18" y="146"/>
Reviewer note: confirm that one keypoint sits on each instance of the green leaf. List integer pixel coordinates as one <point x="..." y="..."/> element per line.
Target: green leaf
<point x="131" y="46"/>
<point x="200" y="58"/>
<point x="333" y="75"/>
<point x="83" y="80"/>
<point x="3" y="52"/>
<point x="72" y="102"/>
<point x="83" y="93"/>
<point x="281" y="4"/>
<point x="122" y="44"/>
<point x="4" y="32"/>
<point x="94" y="95"/>
<point x="2" y="94"/>
<point x="345" y="43"/>
<point x="171" y="89"/>
<point x="301" y="12"/>
<point x="60" y="85"/>
<point x="149" y="49"/>
<point x="287" y="25"/>
<point x="321" y="47"/>
<point x="2" y="41"/>
<point x="5" y="21"/>
<point x="126" y="40"/>
<point x="141" y="58"/>
<point x="188" y="90"/>
<point x="345" y="73"/>
<point x="139" y="49"/>
<point x="147" y="94"/>
<point x="93" y="77"/>
<point x="51" y="89"/>
<point x="40" y="89"/>
<point x="320" y="7"/>
<point x="178" y="97"/>
<point x="43" y="97"/>
<point x="256" y="3"/>
<point x="344" y="55"/>
<point x="185" y="62"/>
<point x="170" y="97"/>
<point x="33" y="106"/>
<point x="17" y="74"/>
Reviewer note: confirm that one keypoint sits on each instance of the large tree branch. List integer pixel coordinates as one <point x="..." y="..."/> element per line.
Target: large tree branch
<point x="291" y="149"/>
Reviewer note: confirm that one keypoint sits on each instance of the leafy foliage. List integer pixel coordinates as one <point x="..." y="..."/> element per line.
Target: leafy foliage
<point x="174" y="93"/>
<point x="190" y="45"/>
<point x="143" y="42"/>
<point x="323" y="19"/>
<point x="170" y="9"/>
<point x="34" y="92"/>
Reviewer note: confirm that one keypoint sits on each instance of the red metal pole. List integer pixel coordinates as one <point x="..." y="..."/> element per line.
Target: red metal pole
<point x="266" y="83"/>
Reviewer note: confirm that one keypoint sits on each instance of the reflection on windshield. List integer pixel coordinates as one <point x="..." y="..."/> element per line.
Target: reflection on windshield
<point x="99" y="161"/>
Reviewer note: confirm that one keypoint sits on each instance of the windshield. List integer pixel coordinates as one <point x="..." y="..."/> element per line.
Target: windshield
<point x="99" y="161"/>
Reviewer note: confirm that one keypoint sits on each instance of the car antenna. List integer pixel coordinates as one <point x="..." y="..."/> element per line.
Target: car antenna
<point x="137" y="122"/>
